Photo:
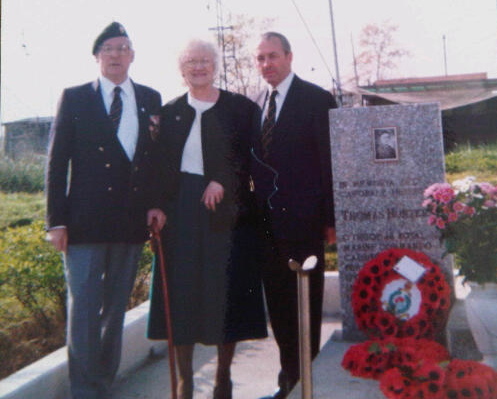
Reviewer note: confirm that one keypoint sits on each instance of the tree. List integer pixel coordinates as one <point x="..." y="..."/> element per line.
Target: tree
<point x="238" y="72"/>
<point x="379" y="54"/>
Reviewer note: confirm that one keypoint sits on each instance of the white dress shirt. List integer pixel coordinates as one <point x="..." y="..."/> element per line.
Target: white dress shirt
<point x="128" y="126"/>
<point x="282" y="89"/>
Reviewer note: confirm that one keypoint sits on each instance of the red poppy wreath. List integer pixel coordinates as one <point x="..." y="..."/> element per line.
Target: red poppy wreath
<point x="387" y="304"/>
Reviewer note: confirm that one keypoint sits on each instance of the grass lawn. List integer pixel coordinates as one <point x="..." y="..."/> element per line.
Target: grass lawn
<point x="19" y="208"/>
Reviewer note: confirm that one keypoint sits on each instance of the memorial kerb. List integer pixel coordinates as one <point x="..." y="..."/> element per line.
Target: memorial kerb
<point x="383" y="158"/>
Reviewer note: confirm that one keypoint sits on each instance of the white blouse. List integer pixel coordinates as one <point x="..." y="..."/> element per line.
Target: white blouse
<point x="192" y="160"/>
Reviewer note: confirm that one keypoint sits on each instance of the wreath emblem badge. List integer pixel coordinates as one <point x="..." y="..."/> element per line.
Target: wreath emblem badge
<point x="401" y="298"/>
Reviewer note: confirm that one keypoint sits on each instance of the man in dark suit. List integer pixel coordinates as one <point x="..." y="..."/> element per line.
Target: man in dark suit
<point x="293" y="185"/>
<point x="101" y="196"/>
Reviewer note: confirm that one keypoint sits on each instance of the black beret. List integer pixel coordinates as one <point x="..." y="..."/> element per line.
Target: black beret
<point x="115" y="29"/>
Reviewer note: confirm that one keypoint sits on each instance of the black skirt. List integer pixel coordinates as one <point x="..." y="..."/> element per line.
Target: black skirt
<point x="213" y="275"/>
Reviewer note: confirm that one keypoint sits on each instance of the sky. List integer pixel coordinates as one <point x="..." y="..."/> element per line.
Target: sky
<point x="46" y="44"/>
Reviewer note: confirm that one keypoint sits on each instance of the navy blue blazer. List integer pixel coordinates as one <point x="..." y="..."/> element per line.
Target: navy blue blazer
<point x="91" y="185"/>
<point x="294" y="184"/>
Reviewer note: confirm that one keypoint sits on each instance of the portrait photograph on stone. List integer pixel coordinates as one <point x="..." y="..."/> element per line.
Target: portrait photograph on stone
<point x="385" y="144"/>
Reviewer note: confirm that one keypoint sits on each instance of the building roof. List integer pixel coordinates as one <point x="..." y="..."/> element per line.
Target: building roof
<point x="451" y="91"/>
<point x="37" y="119"/>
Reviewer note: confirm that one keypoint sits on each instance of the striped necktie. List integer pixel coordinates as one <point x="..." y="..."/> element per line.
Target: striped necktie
<point x="116" y="108"/>
<point x="268" y="124"/>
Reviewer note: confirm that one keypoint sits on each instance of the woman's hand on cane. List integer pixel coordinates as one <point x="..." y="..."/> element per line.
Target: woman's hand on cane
<point x="156" y="219"/>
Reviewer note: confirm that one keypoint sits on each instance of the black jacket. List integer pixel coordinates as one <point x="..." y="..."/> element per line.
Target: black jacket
<point x="295" y="183"/>
<point x="226" y="131"/>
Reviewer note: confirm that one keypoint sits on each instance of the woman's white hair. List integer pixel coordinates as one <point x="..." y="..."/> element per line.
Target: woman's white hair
<point x="199" y="44"/>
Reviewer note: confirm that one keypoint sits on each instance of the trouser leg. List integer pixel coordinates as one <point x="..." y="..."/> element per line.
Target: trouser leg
<point x="280" y="285"/>
<point x="99" y="279"/>
<point x="118" y="283"/>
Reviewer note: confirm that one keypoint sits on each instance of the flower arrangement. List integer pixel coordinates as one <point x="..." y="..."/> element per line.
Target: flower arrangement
<point x="401" y="352"/>
<point x="416" y="310"/>
<point x="465" y="214"/>
<point x="372" y="358"/>
<point x="419" y="368"/>
<point x="470" y="379"/>
<point x="425" y="380"/>
<point x="451" y="379"/>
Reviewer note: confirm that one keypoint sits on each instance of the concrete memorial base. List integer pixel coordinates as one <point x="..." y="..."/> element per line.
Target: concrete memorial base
<point x="330" y="380"/>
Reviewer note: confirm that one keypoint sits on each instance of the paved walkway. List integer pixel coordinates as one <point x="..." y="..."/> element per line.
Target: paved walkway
<point x="254" y="371"/>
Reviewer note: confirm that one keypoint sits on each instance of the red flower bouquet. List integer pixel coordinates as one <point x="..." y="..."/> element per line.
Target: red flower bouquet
<point x="369" y="359"/>
<point x="470" y="379"/>
<point x="453" y="380"/>
<point x="425" y="381"/>
<point x="372" y="358"/>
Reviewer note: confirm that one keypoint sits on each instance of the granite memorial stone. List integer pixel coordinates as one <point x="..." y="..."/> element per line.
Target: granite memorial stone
<point x="383" y="158"/>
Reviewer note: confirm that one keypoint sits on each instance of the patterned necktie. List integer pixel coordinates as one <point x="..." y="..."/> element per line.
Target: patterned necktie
<point x="268" y="124"/>
<point x="116" y="108"/>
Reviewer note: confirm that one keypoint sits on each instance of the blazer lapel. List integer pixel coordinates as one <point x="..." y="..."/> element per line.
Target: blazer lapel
<point x="144" y="114"/>
<point x="289" y="106"/>
<point x="259" y="99"/>
<point x="143" y="117"/>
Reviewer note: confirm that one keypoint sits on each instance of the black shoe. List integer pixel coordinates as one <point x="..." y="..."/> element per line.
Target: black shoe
<point x="223" y="390"/>
<point x="278" y="394"/>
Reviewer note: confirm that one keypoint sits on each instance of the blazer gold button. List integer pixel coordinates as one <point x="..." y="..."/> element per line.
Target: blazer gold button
<point x="109" y="188"/>
<point x="101" y="149"/>
<point x="107" y="165"/>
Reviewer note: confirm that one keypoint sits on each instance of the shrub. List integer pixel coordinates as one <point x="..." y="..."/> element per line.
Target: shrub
<point x="330" y="258"/>
<point x="26" y="175"/>
<point x="478" y="161"/>
<point x="142" y="283"/>
<point x="31" y="273"/>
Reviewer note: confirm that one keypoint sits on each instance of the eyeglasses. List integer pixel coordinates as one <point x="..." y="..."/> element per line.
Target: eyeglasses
<point x="192" y="63"/>
<point x="123" y="49"/>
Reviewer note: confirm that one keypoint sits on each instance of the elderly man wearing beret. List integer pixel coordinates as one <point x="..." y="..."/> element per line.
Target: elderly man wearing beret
<point x="101" y="197"/>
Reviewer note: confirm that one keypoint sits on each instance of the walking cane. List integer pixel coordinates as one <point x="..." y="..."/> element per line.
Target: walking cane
<point x="304" y="322"/>
<point x="156" y="245"/>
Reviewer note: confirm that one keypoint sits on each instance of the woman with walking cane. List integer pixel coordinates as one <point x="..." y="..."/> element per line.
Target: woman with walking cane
<point x="209" y="239"/>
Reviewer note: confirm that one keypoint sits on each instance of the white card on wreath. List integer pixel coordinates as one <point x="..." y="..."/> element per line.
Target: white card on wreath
<point x="409" y="269"/>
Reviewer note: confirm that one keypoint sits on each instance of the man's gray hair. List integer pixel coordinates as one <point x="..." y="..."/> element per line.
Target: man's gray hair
<point x="284" y="41"/>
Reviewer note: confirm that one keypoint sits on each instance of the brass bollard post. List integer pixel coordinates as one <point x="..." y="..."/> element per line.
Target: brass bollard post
<point x="304" y="323"/>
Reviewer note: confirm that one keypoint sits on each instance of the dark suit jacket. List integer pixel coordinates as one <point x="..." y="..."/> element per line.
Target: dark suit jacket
<point x="226" y="133"/>
<point x="92" y="187"/>
<point x="295" y="183"/>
